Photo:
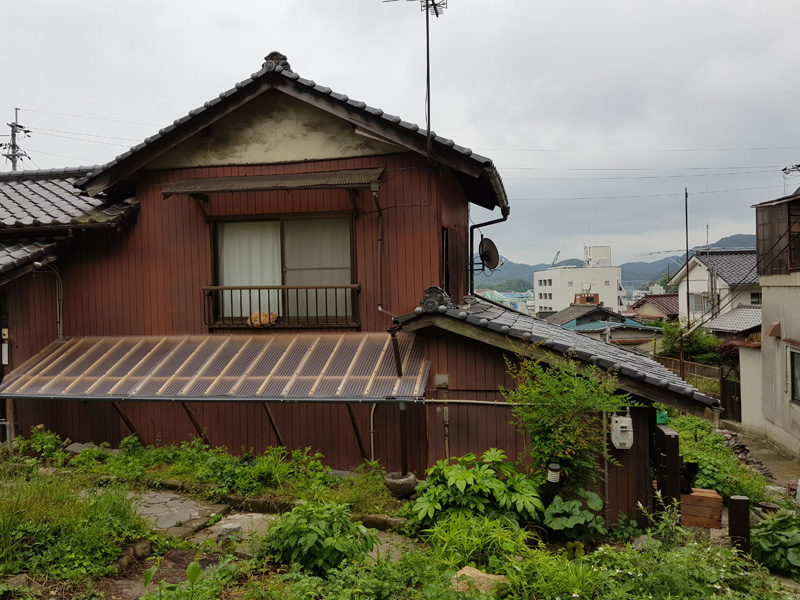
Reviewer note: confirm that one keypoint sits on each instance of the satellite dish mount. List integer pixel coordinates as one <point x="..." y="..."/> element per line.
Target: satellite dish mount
<point x="488" y="256"/>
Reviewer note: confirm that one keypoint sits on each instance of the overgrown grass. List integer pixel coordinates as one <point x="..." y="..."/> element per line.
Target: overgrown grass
<point x="213" y="472"/>
<point x="53" y="526"/>
<point x="706" y="385"/>
<point x="720" y="470"/>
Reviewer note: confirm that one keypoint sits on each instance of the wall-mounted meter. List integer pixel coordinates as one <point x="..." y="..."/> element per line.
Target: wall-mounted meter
<point x="622" y="432"/>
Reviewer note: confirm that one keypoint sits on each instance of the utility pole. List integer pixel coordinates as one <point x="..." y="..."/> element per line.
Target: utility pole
<point x="14" y="153"/>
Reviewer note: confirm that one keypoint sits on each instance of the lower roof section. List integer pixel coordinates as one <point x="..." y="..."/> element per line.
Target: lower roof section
<point x="336" y="367"/>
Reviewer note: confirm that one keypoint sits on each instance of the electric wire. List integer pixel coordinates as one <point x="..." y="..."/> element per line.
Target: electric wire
<point x="44" y="112"/>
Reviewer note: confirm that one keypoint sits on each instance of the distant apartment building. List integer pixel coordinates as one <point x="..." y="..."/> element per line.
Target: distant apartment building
<point x="596" y="282"/>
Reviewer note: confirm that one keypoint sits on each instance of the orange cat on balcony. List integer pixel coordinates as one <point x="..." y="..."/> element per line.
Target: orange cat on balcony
<point x="259" y="319"/>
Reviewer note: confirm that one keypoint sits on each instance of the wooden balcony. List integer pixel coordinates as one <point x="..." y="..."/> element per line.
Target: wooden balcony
<point x="281" y="306"/>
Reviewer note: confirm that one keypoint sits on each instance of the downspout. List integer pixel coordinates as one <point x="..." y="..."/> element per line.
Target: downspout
<point x="374" y="187"/>
<point x="502" y="202"/>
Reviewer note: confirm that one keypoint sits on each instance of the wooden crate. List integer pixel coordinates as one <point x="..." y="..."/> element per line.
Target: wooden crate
<point x="701" y="508"/>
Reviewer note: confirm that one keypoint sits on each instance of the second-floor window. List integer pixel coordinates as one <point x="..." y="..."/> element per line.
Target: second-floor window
<point x="305" y="258"/>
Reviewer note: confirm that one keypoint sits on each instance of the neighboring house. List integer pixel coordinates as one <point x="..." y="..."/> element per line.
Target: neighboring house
<point x="556" y="288"/>
<point x="742" y="322"/>
<point x="584" y="313"/>
<point x="719" y="279"/>
<point x="657" y="307"/>
<point x="631" y="333"/>
<point x="234" y="277"/>
<point x="603" y="324"/>
<point x="770" y="369"/>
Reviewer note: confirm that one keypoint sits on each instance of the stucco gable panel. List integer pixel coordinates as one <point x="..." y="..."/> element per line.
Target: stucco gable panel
<point x="273" y="128"/>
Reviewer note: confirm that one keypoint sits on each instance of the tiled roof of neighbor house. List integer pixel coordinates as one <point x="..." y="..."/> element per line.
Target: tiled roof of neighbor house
<point x="736" y="266"/>
<point x="276" y="65"/>
<point x="570" y="314"/>
<point x="514" y="326"/>
<point x="601" y="326"/>
<point x="666" y="303"/>
<point x="47" y="199"/>
<point x="18" y="254"/>
<point x="741" y="318"/>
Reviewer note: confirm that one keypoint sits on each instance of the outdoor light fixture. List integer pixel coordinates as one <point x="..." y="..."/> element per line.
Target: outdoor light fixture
<point x="552" y="485"/>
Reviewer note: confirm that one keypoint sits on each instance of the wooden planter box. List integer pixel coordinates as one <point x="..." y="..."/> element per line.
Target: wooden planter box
<point x="701" y="508"/>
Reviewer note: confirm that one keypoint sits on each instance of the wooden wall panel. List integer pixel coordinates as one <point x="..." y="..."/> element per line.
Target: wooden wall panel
<point x="630" y="482"/>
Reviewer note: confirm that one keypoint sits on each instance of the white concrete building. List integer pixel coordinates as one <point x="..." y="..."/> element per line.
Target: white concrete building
<point x="597" y="281"/>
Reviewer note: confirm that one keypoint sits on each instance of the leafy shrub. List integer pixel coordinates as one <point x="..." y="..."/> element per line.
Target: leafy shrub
<point x="699" y="346"/>
<point x="560" y="406"/>
<point x="490" y="485"/>
<point x="318" y="537"/>
<point x="198" y="586"/>
<point x="720" y="469"/>
<point x="462" y="538"/>
<point x="775" y="541"/>
<point x="575" y="519"/>
<point x="46" y="444"/>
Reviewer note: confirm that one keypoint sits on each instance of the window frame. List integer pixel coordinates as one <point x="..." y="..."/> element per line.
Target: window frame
<point x="281" y="218"/>
<point x="793" y="360"/>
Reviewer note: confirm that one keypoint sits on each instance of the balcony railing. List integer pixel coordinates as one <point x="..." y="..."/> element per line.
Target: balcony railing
<point x="287" y="306"/>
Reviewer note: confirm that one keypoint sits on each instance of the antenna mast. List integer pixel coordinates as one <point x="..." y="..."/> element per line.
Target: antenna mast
<point x="14" y="153"/>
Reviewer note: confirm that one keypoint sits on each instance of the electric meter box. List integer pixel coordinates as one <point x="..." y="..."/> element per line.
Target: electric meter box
<point x="622" y="432"/>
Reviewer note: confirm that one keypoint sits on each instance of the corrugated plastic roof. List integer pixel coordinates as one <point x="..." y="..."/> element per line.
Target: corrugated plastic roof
<point x="48" y="199"/>
<point x="346" y="367"/>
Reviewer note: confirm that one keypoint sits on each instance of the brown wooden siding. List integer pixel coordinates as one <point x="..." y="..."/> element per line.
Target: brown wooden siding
<point x="630" y="481"/>
<point x="147" y="279"/>
<point x="32" y="322"/>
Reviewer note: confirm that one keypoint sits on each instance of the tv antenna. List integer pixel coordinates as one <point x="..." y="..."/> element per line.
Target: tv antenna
<point x="435" y="8"/>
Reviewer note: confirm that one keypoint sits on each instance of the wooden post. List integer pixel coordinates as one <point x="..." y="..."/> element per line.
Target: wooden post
<point x="403" y="440"/>
<point x="739" y="522"/>
<point x="10" y="418"/>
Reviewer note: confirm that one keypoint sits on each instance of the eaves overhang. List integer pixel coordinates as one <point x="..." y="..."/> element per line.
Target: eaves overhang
<point x="478" y="173"/>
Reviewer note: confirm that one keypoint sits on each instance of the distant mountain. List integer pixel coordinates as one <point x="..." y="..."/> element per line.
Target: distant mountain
<point x="634" y="274"/>
<point x="740" y="240"/>
<point x="512" y="270"/>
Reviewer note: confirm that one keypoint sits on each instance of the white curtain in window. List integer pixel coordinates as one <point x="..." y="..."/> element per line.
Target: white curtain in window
<point x="250" y="255"/>
<point x="317" y="252"/>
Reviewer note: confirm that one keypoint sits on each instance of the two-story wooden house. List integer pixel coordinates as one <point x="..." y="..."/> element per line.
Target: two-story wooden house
<point x="282" y="266"/>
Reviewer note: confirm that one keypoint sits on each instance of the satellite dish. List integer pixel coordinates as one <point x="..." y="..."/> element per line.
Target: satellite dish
<point x="487" y="251"/>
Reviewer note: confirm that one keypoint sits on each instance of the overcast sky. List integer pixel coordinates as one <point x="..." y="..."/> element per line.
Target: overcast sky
<point x="597" y="113"/>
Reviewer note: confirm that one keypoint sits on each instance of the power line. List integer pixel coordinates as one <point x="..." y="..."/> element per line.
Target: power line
<point x="635" y="168"/>
<point x="565" y="199"/>
<point x="68" y="137"/>
<point x="618" y="178"/>
<point x="88" y="160"/>
<point x="44" y="112"/>
<point x="108" y="137"/>
<point x="757" y="148"/>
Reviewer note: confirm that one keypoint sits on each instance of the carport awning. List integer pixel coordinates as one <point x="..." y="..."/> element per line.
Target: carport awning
<point x="340" y="367"/>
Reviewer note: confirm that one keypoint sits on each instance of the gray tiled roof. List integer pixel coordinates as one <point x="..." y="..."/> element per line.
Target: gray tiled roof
<point x="282" y="68"/>
<point x="564" y="341"/>
<point x="569" y="314"/>
<point x="736" y="266"/>
<point x="18" y="254"/>
<point x="48" y="199"/>
<point x="741" y="318"/>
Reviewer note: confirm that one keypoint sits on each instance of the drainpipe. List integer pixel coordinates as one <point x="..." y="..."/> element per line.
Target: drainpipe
<point x="375" y="187"/>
